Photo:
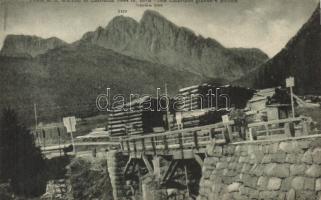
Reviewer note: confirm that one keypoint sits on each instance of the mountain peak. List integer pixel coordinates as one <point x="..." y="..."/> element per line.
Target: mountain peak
<point x="122" y="20"/>
<point x="154" y="18"/>
<point x="158" y="40"/>
<point x="26" y="45"/>
<point x="152" y="14"/>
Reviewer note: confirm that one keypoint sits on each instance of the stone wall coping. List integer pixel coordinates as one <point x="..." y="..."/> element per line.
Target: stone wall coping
<point x="277" y="139"/>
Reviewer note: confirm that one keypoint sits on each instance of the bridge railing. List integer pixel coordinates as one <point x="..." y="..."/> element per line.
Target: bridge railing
<point x="191" y="138"/>
<point x="289" y="127"/>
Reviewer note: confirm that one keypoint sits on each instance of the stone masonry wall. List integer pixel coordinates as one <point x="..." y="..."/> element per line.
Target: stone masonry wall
<point x="116" y="163"/>
<point x="281" y="169"/>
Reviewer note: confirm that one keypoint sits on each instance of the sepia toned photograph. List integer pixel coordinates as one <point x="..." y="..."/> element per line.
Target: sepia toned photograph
<point x="160" y="100"/>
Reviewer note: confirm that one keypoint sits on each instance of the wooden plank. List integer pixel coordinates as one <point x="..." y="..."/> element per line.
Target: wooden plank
<point x="212" y="126"/>
<point x="170" y="171"/>
<point x="199" y="160"/>
<point x="275" y="122"/>
<point x="148" y="165"/>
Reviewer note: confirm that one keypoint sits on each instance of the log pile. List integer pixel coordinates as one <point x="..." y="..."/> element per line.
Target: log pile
<point x="125" y="122"/>
<point x="203" y="104"/>
<point x="207" y="96"/>
<point x="133" y="119"/>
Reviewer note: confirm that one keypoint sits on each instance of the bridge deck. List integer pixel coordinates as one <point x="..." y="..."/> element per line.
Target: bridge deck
<point x="195" y="139"/>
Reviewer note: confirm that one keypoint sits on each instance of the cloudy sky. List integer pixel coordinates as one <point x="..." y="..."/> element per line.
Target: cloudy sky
<point x="265" y="24"/>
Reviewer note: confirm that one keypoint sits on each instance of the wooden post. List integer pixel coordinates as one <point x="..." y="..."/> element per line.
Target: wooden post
<point x="156" y="164"/>
<point x="59" y="141"/>
<point x="196" y="140"/>
<point x="230" y="132"/>
<point x="72" y="138"/>
<point x="212" y="136"/>
<point x="180" y="140"/>
<point x="153" y="145"/>
<point x="165" y="143"/>
<point x="135" y="148"/>
<point x="121" y="144"/>
<point x="186" y="180"/>
<point x="226" y="135"/>
<point x="252" y="134"/>
<point x="292" y="102"/>
<point x="266" y="129"/>
<point x="44" y="138"/>
<point x="143" y="145"/>
<point x="128" y="146"/>
<point x="289" y="129"/>
<point x="305" y="128"/>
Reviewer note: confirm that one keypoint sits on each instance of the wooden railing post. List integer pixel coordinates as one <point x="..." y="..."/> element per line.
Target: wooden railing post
<point x="143" y="144"/>
<point x="226" y="135"/>
<point x="165" y="143"/>
<point x="267" y="129"/>
<point x="128" y="146"/>
<point x="196" y="140"/>
<point x="121" y="144"/>
<point x="230" y="132"/>
<point x="289" y="129"/>
<point x="252" y="134"/>
<point x="180" y="140"/>
<point x="305" y="127"/>
<point x="135" y="148"/>
<point x="211" y="136"/>
<point x="153" y="145"/>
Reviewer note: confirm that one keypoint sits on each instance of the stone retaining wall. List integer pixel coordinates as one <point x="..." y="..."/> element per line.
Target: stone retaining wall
<point x="282" y="169"/>
<point x="116" y="163"/>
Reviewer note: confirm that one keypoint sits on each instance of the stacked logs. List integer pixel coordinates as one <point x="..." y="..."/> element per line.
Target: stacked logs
<point x="207" y="96"/>
<point x="205" y="104"/>
<point x="125" y="122"/>
<point x="134" y="119"/>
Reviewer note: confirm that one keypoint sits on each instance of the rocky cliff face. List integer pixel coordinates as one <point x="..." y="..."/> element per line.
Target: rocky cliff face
<point x="158" y="40"/>
<point x="23" y="45"/>
<point x="300" y="58"/>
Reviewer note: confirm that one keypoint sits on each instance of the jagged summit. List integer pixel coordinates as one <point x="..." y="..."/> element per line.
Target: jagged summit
<point x="156" y="39"/>
<point x="153" y="15"/>
<point x="122" y="20"/>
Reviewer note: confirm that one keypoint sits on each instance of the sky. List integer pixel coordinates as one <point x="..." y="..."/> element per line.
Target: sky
<point x="264" y="24"/>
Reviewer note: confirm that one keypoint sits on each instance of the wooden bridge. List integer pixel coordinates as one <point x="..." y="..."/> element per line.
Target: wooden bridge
<point x="178" y="143"/>
<point x="196" y="139"/>
<point x="190" y="144"/>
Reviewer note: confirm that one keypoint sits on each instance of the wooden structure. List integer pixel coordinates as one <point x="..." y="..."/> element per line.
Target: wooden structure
<point x="290" y="127"/>
<point x="177" y="143"/>
<point x="269" y="104"/>
<point x="135" y="119"/>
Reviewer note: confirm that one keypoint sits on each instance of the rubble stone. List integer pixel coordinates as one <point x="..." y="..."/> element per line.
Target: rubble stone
<point x="274" y="183"/>
<point x="316" y="156"/>
<point x="318" y="184"/>
<point x="307" y="157"/>
<point x="290" y="195"/>
<point x="314" y="171"/>
<point x="277" y="170"/>
<point x="297" y="169"/>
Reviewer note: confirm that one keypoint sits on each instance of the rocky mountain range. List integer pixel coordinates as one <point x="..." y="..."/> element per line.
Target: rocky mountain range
<point x="156" y="39"/>
<point x="301" y="58"/>
<point x="138" y="57"/>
